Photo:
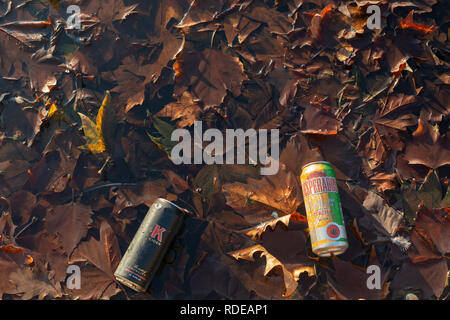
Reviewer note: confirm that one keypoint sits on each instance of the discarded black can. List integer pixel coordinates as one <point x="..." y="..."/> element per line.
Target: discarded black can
<point x="149" y="245"/>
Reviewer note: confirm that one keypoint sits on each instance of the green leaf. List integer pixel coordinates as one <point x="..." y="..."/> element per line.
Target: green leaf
<point x="429" y="193"/>
<point x="165" y="130"/>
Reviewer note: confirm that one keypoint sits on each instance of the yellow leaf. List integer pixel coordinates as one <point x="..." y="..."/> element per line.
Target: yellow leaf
<point x="95" y="132"/>
<point x="94" y="142"/>
<point x="52" y="111"/>
<point x="103" y="112"/>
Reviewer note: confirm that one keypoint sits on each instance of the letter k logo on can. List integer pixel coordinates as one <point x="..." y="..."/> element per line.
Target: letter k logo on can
<point x="157" y="232"/>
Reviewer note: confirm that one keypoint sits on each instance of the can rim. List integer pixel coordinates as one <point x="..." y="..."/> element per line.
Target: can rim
<point x="315" y="162"/>
<point x="176" y="206"/>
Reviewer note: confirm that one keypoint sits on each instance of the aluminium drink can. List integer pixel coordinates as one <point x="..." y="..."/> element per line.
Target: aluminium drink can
<point x="149" y="245"/>
<point x="323" y="209"/>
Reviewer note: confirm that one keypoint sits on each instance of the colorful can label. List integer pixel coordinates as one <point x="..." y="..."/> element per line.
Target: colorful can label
<point x="323" y="209"/>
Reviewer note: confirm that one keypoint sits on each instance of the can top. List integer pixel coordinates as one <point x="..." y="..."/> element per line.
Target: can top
<point x="176" y="206"/>
<point x="315" y="162"/>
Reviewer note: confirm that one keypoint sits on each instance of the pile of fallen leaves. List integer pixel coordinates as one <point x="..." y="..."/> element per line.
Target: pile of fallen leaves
<point x="87" y="115"/>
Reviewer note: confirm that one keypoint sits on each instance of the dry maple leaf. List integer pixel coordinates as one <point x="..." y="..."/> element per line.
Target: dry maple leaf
<point x="257" y="231"/>
<point x="271" y="263"/>
<point x="144" y="193"/>
<point x="284" y="249"/>
<point x="297" y="153"/>
<point x="317" y="21"/>
<point x="429" y="277"/>
<point x="51" y="173"/>
<point x="428" y="147"/>
<point x="22" y="203"/>
<point x="258" y="198"/>
<point x="71" y="222"/>
<point x="133" y="75"/>
<point x="408" y="23"/>
<point x="178" y="184"/>
<point x="385" y="181"/>
<point x="384" y="138"/>
<point x="6" y="268"/>
<point x="201" y="11"/>
<point x="14" y="176"/>
<point x="436" y="224"/>
<point x="426" y="267"/>
<point x="209" y="75"/>
<point x="31" y="283"/>
<point x="186" y="111"/>
<point x="95" y="285"/>
<point x="47" y="247"/>
<point x="316" y="120"/>
<point x="104" y="254"/>
<point x="108" y="11"/>
<point x="350" y="282"/>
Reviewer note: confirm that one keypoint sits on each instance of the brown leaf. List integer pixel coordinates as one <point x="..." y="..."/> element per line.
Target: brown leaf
<point x="104" y="253"/>
<point x="13" y="176"/>
<point x="385" y="181"/>
<point x="201" y="11"/>
<point x="179" y="184"/>
<point x="47" y="247"/>
<point x="258" y="198"/>
<point x="298" y="153"/>
<point x="316" y="120"/>
<point x="209" y="75"/>
<point x="428" y="147"/>
<point x="284" y="250"/>
<point x="30" y="283"/>
<point x="134" y="74"/>
<point x="429" y="277"/>
<point x="145" y="193"/>
<point x="436" y="224"/>
<point x="186" y="111"/>
<point x="71" y="222"/>
<point x="271" y="263"/>
<point x="52" y="172"/>
<point x="95" y="285"/>
<point x="22" y="203"/>
<point x="350" y="282"/>
<point x="256" y="232"/>
<point x="408" y="23"/>
<point x="6" y="268"/>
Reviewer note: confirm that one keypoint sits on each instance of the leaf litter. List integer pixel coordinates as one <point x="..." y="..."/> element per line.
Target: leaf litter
<point x="85" y="124"/>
